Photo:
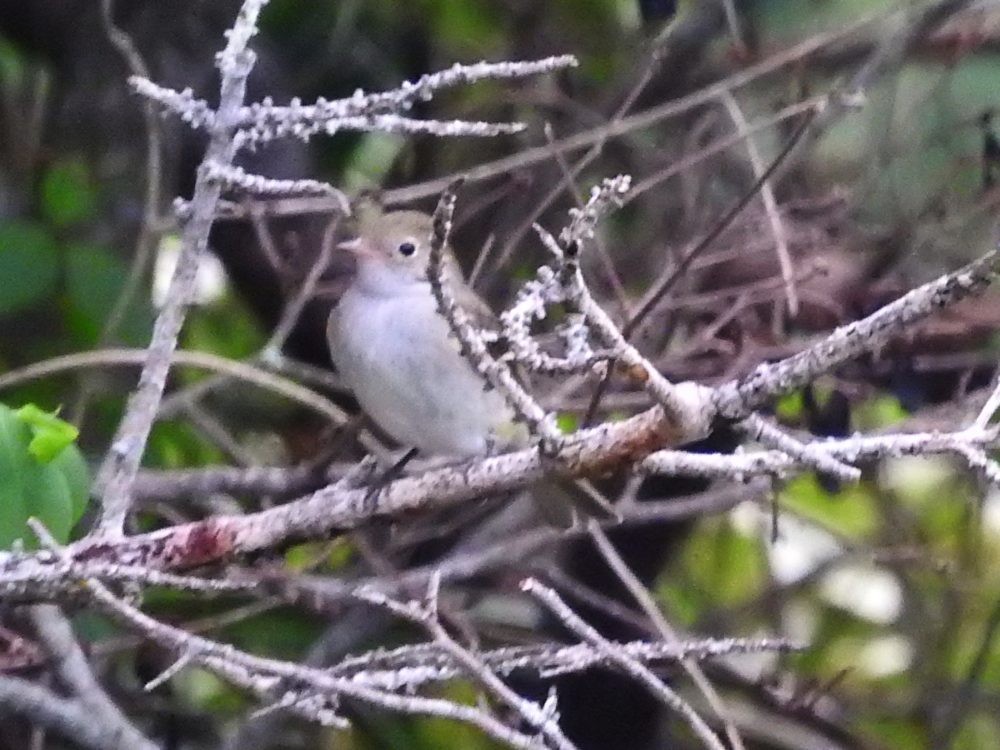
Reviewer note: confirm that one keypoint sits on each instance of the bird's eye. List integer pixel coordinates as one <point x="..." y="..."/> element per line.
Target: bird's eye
<point x="406" y="249"/>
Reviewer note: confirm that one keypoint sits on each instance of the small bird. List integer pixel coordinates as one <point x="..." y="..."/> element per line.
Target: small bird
<point x="396" y="352"/>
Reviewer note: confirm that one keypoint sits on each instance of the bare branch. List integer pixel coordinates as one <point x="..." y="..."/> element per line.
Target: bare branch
<point x="266" y="121"/>
<point x="118" y="470"/>
<point x="645" y="600"/>
<point x="472" y="344"/>
<point x="735" y="400"/>
<point x="75" y="673"/>
<point x="237" y="178"/>
<point x="243" y="371"/>
<point x="66" y="717"/>
<point x="623" y="661"/>
<point x="540" y="718"/>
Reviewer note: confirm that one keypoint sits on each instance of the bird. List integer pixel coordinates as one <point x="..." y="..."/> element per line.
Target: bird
<point x="396" y="352"/>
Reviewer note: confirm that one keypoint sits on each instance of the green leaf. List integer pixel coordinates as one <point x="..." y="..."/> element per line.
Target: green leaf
<point x="11" y="65"/>
<point x="880" y="411"/>
<point x="851" y="512"/>
<point x="372" y="159"/>
<point x="49" y="434"/>
<point x="29" y="265"/>
<point x="225" y="327"/>
<point x="55" y="492"/>
<point x="466" y="28"/>
<point x="71" y="464"/>
<point x="13" y="460"/>
<point x="173" y="445"/>
<point x="725" y="565"/>
<point x="681" y="601"/>
<point x="435" y="732"/>
<point x="283" y="633"/>
<point x="568" y="422"/>
<point x="94" y="280"/>
<point x="789" y="407"/>
<point x="207" y="692"/>
<point x="47" y="498"/>
<point x="68" y="195"/>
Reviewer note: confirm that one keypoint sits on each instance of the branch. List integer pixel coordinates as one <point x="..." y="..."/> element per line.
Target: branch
<point x="473" y="347"/>
<point x="645" y="600"/>
<point x="647" y="118"/>
<point x="75" y="673"/>
<point x="855" y="450"/>
<point x="337" y="508"/>
<point x="544" y="719"/>
<point x="68" y="718"/>
<point x="117" y="472"/>
<point x="735" y="400"/>
<point x="314" y="693"/>
<point x="244" y="371"/>
<point x="265" y="121"/>
<point x="623" y="661"/>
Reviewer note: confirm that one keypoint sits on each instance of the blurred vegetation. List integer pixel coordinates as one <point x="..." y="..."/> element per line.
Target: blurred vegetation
<point x="894" y="583"/>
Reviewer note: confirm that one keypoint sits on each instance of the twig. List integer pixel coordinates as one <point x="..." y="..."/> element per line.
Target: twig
<point x="294" y="307"/>
<point x="989" y="408"/>
<point x="413" y="666"/>
<point x="68" y="718"/>
<point x="858" y="449"/>
<point x="118" y="470"/>
<point x="234" y="480"/>
<point x="70" y="664"/>
<point x="205" y="360"/>
<point x="736" y="399"/>
<point x="542" y="718"/>
<point x="769" y="201"/>
<point x="473" y="347"/>
<point x="262" y="122"/>
<point x="236" y="178"/>
<point x="638" y="121"/>
<point x="663" y="287"/>
<point x="312" y="692"/>
<point x="623" y="661"/>
<point x="757" y="427"/>
<point x="645" y="600"/>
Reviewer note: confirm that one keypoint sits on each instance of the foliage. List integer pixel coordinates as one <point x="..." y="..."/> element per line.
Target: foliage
<point x="42" y="475"/>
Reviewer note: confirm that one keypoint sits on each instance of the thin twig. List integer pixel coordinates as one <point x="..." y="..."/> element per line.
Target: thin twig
<point x="770" y="204"/>
<point x="665" y="284"/>
<point x="623" y="661"/>
<point x="130" y="357"/>
<point x="645" y="600"/>
<point x="70" y="664"/>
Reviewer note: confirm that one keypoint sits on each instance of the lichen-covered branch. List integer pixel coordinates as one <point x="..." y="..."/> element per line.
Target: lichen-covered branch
<point x="737" y="399"/>
<point x="118" y="470"/>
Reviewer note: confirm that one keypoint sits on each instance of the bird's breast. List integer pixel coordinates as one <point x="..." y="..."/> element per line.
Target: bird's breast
<point x="405" y="369"/>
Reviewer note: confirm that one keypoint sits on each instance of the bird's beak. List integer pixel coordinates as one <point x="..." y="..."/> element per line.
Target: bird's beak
<point x="356" y="247"/>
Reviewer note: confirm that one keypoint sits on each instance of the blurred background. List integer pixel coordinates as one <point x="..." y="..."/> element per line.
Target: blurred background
<point x="894" y="583"/>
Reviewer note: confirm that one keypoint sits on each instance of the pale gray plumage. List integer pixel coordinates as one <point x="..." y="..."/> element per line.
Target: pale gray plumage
<point x="396" y="352"/>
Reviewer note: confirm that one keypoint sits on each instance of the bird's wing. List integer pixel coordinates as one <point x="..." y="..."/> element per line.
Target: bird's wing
<point x="481" y="315"/>
<point x="561" y="501"/>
